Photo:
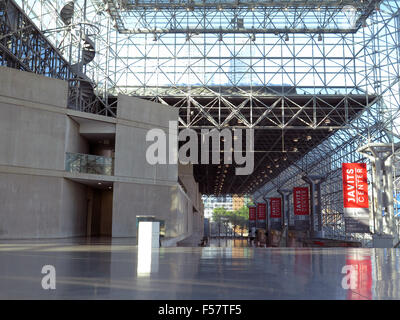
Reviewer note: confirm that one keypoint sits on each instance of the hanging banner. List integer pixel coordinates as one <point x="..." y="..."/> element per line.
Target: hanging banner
<point x="252" y="217"/>
<point x="261" y="215"/>
<point x="301" y="201"/>
<point x="276" y="208"/>
<point x="355" y="197"/>
<point x="252" y="213"/>
<point x="261" y="211"/>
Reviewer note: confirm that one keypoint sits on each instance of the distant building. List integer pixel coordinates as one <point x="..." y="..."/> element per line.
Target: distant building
<point x="212" y="202"/>
<point x="229" y="202"/>
<point x="239" y="201"/>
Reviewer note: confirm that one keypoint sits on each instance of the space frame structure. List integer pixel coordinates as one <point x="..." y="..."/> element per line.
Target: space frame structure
<point x="183" y="53"/>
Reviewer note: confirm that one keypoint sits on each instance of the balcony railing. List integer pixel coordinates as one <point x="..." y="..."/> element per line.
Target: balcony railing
<point x="91" y="164"/>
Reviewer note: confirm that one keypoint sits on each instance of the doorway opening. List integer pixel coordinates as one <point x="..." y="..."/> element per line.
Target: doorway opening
<point x="99" y="212"/>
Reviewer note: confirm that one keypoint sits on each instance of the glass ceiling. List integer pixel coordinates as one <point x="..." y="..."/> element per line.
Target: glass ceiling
<point x="229" y="44"/>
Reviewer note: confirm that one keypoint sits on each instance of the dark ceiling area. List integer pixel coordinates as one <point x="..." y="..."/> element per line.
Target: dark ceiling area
<point x="280" y="139"/>
<point x="287" y="125"/>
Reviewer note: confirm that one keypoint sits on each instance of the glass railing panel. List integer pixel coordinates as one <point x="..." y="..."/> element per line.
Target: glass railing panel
<point x="91" y="164"/>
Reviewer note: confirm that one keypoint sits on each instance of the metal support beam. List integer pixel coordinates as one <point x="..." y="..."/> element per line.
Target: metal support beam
<point x="230" y="5"/>
<point x="285" y="212"/>
<point x="285" y="207"/>
<point x="380" y="155"/>
<point x="267" y="218"/>
<point x="316" y="210"/>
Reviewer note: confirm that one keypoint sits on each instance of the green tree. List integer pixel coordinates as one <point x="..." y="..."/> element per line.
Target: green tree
<point x="242" y="218"/>
<point x="237" y="218"/>
<point x="243" y="223"/>
<point x="234" y="219"/>
<point x="219" y="215"/>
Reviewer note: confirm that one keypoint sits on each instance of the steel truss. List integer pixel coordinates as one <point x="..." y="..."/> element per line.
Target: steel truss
<point x="251" y="17"/>
<point x="208" y="65"/>
<point x="210" y="56"/>
<point x="380" y="55"/>
<point x="24" y="46"/>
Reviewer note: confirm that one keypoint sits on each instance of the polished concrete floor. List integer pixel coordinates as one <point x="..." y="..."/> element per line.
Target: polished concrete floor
<point x="105" y="269"/>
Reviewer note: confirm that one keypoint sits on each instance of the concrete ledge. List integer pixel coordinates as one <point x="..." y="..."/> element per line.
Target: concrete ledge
<point x="173" y="242"/>
<point x="89" y="116"/>
<point x="81" y="176"/>
<point x="191" y="241"/>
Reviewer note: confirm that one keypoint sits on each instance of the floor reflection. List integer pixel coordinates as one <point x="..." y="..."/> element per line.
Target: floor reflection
<point x="147" y="262"/>
<point x="229" y="242"/>
<point x="358" y="277"/>
<point x="227" y="269"/>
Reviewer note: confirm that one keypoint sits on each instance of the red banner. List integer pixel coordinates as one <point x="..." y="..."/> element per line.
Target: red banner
<point x="261" y="211"/>
<point x="355" y="197"/>
<point x="252" y="213"/>
<point x="301" y="201"/>
<point x="355" y="185"/>
<point x="276" y="208"/>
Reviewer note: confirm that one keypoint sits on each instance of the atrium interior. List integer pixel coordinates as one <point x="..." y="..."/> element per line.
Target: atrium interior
<point x="304" y="94"/>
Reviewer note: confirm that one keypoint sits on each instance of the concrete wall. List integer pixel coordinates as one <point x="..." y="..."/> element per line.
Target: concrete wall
<point x="73" y="210"/>
<point x="164" y="202"/>
<point x="190" y="220"/>
<point x="192" y="187"/>
<point x="74" y="142"/>
<point x="157" y="195"/>
<point x="31" y="138"/>
<point x="157" y="192"/>
<point x="30" y="206"/>
<point x="139" y="117"/>
<point x="35" y="133"/>
<point x="145" y="112"/>
<point x="168" y="203"/>
<point x="38" y="199"/>
<point x="41" y="207"/>
<point x="33" y="88"/>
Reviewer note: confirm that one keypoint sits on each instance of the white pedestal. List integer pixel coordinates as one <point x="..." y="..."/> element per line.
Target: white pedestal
<point x="149" y="234"/>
